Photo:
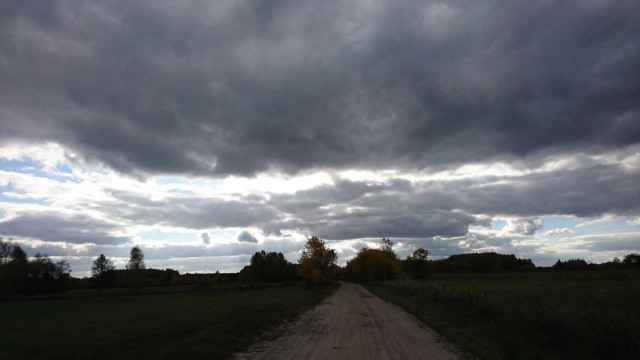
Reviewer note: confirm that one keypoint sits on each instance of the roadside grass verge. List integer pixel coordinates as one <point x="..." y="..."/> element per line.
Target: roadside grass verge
<point x="193" y="325"/>
<point x="528" y="315"/>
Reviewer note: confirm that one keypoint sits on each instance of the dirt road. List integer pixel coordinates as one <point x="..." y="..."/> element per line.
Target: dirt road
<point x="353" y="324"/>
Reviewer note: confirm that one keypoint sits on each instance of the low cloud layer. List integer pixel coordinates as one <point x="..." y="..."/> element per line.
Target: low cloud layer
<point x="75" y="229"/>
<point x="349" y="209"/>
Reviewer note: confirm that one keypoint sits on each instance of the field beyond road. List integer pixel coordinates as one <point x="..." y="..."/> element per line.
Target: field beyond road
<point x="187" y="325"/>
<point x="353" y="324"/>
<point x="538" y="315"/>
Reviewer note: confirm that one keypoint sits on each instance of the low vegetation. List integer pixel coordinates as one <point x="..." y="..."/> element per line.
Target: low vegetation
<point x="531" y="315"/>
<point x="181" y="325"/>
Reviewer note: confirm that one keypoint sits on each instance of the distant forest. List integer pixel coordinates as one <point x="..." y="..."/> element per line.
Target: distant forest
<point x="21" y="276"/>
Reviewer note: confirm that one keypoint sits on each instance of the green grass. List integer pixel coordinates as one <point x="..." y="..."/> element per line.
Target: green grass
<point x="579" y="315"/>
<point x="194" y="325"/>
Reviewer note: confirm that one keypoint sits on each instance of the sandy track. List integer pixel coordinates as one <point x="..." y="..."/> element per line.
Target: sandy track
<point x="353" y="324"/>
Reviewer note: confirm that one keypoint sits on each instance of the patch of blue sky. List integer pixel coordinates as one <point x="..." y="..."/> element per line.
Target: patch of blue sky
<point x="168" y="180"/>
<point x="8" y="193"/>
<point x="101" y="171"/>
<point x="559" y="222"/>
<point x="498" y="225"/>
<point x="19" y="165"/>
<point x="64" y="168"/>
<point x="168" y="236"/>
<point x="35" y="168"/>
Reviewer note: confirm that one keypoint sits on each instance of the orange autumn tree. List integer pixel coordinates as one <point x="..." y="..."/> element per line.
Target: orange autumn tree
<point x="317" y="263"/>
<point x="374" y="264"/>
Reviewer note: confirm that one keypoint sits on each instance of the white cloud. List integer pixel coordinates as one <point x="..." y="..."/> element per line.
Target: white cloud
<point x="49" y="154"/>
<point x="635" y="222"/>
<point x="606" y="218"/>
<point x="558" y="231"/>
<point x="623" y="242"/>
<point x="523" y="226"/>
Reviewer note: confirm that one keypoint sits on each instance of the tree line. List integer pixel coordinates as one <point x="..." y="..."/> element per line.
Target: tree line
<point x="316" y="267"/>
<point x="384" y="264"/>
<point x="20" y="275"/>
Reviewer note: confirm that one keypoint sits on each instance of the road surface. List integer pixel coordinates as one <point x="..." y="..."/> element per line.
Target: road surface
<point x="353" y="324"/>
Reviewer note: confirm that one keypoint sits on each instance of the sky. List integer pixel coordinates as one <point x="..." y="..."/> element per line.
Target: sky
<point x="204" y="131"/>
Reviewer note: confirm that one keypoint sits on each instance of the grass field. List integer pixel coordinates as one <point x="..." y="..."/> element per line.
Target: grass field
<point x="190" y="325"/>
<point x="550" y="315"/>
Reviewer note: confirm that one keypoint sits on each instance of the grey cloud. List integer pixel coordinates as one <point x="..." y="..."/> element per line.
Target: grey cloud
<point x="205" y="238"/>
<point x="53" y="227"/>
<point x="247" y="237"/>
<point x="187" y="211"/>
<point x="209" y="88"/>
<point x="586" y="192"/>
<point x="350" y="210"/>
<point x="378" y="223"/>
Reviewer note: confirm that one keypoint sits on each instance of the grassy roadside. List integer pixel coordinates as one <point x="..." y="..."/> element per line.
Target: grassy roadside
<point x="528" y="315"/>
<point x="194" y="325"/>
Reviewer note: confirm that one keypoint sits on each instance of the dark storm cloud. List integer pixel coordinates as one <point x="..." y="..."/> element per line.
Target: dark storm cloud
<point x="52" y="227"/>
<point x="238" y="88"/>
